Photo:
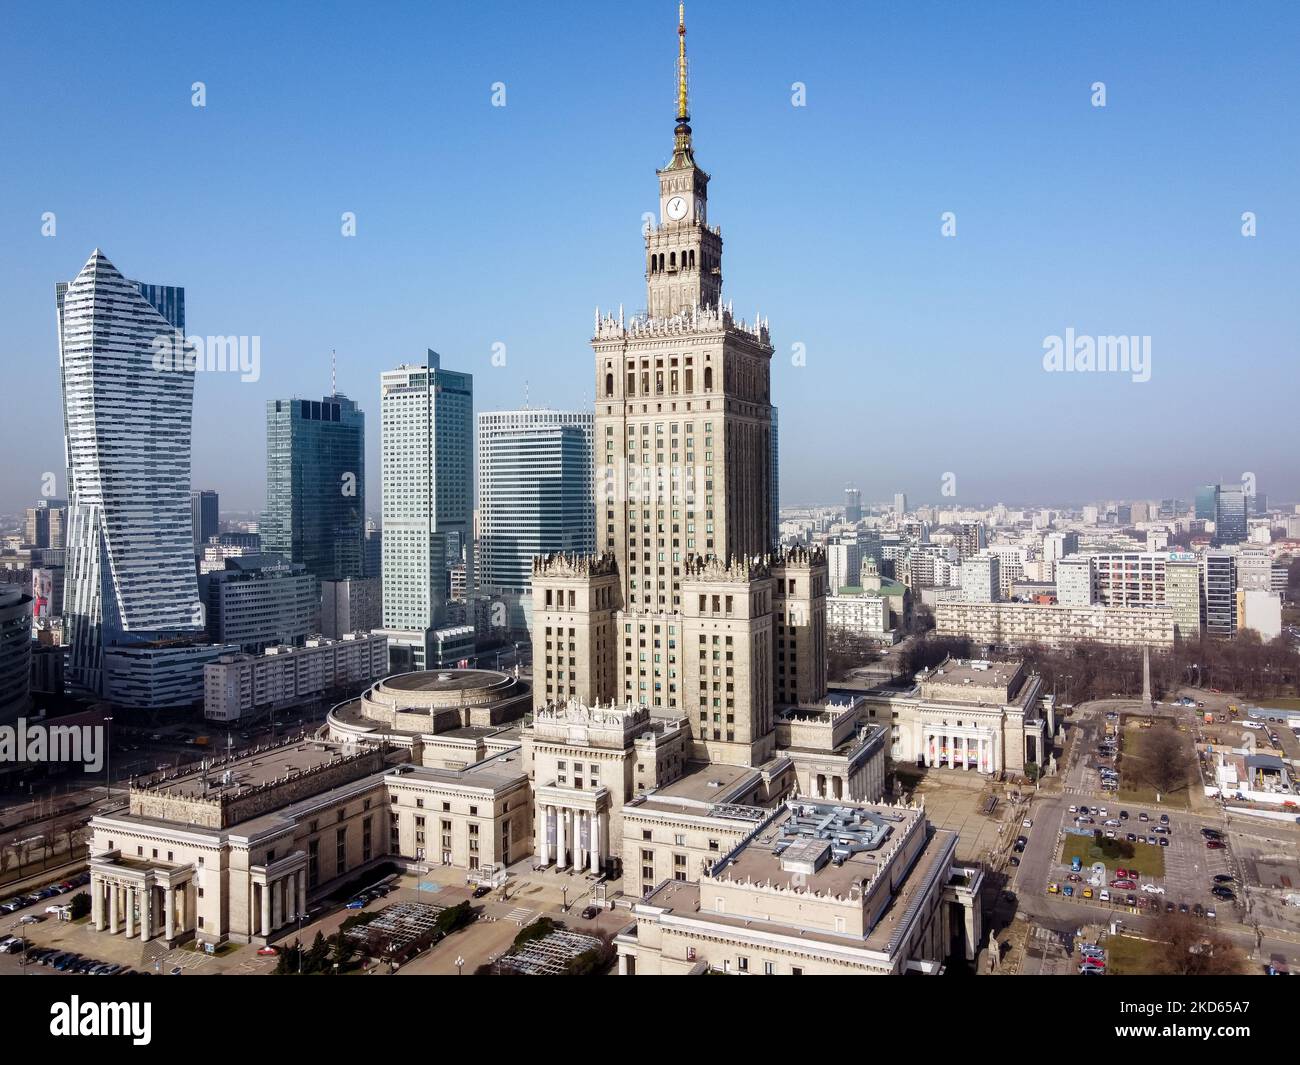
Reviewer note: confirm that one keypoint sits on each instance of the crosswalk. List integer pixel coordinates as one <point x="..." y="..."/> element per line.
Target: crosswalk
<point x="520" y="915"/>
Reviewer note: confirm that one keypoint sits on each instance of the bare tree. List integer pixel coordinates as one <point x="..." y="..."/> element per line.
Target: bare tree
<point x="1165" y="761"/>
<point x="1187" y="947"/>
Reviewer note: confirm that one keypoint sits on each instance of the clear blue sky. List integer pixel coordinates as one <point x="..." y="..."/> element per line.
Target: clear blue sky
<point x="479" y="225"/>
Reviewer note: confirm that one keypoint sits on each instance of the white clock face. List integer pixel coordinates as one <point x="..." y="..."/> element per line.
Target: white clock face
<point x="676" y="208"/>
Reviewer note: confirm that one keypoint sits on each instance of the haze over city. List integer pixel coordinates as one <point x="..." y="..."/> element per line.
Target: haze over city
<point x="481" y="225"/>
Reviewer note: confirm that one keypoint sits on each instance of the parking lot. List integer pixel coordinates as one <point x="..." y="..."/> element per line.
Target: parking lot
<point x="1177" y="874"/>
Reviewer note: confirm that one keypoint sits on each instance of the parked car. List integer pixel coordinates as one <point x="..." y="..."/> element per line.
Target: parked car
<point x="1075" y="878"/>
<point x="590" y="912"/>
<point x="1215" y="845"/>
<point x="1169" y="907"/>
<point x="1209" y="912"/>
<point x="1224" y="878"/>
<point x="1153" y="889"/>
<point x="356" y="904"/>
<point x="1015" y="861"/>
<point x="1104" y="896"/>
<point x="481" y="890"/>
<point x="1221" y="892"/>
<point x="1164" y="819"/>
<point x="1144" y="816"/>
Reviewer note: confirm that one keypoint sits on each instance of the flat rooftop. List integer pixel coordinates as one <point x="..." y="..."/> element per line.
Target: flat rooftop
<point x="762" y="861"/>
<point x="445" y="680"/>
<point x="975" y="674"/>
<point x="251" y="770"/>
<point x="683" y="899"/>
<point x="706" y="783"/>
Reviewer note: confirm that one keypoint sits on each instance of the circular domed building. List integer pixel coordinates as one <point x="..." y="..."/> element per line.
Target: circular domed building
<point x="447" y="717"/>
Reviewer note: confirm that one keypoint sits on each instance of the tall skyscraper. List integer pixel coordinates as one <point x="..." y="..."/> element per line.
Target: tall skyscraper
<point x="900" y="503"/>
<point x="1229" y="514"/>
<point x="852" y="505"/>
<point x="126" y="416"/>
<point x="427" y="417"/>
<point x="44" y="524"/>
<point x="534" y="498"/>
<point x="686" y="610"/>
<point x="316" y="485"/>
<point x="203" y="517"/>
<point x="1207" y="502"/>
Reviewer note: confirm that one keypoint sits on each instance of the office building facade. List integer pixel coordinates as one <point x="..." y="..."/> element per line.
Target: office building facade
<point x="427" y="417"/>
<point x="316" y="485"/>
<point x="534" y="498"/>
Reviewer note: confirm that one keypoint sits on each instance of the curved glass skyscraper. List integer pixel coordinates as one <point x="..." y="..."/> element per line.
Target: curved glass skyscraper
<point x="130" y="575"/>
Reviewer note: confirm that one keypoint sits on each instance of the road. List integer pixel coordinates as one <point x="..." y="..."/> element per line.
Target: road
<point x="1065" y="917"/>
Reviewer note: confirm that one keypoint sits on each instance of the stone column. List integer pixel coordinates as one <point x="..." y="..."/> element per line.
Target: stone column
<point x="266" y="910"/>
<point x="169" y="913"/>
<point x="146" y="912"/>
<point x="541" y="849"/>
<point x="596" y="841"/>
<point x="128" y="893"/>
<point x="97" y="903"/>
<point x="302" y="890"/>
<point x="622" y="965"/>
<point x="277" y="891"/>
<point x="561" y="843"/>
<point x="112" y="908"/>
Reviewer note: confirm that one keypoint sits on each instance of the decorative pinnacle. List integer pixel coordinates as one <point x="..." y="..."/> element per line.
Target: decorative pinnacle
<point x="683" y="112"/>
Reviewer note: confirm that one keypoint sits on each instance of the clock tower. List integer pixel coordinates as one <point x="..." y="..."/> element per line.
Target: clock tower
<point x="683" y="253"/>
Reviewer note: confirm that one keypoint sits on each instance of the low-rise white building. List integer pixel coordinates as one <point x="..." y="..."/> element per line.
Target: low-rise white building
<point x="239" y="684"/>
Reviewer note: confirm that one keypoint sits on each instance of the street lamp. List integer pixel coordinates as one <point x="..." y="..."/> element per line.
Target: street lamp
<point x="460" y="964"/>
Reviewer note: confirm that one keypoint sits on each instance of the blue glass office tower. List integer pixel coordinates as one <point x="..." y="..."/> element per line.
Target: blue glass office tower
<point x="316" y="485"/>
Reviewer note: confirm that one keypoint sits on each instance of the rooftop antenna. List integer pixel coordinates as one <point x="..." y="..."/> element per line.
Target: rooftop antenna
<point x="334" y="373"/>
<point x="526" y="407"/>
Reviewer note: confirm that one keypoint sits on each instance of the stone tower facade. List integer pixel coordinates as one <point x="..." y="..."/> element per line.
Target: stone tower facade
<point x="708" y="627"/>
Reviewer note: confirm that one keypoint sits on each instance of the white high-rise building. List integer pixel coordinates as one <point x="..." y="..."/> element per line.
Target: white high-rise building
<point x="127" y="399"/>
<point x="535" y="497"/>
<point x="1074" y="585"/>
<point x="980" y="578"/>
<point x="427" y="459"/>
<point x="844" y="563"/>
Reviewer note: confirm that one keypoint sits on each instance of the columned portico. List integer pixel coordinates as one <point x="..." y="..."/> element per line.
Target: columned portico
<point x="961" y="748"/>
<point x="572" y="829"/>
<point x="135" y="897"/>
<point x="277" y="892"/>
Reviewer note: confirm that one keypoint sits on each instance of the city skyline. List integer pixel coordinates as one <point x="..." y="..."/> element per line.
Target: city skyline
<point x="433" y="265"/>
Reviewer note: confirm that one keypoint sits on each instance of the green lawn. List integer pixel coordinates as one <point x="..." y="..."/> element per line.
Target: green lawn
<point x="1282" y="703"/>
<point x="1129" y="956"/>
<point x="1147" y="860"/>
<point x="1131" y="791"/>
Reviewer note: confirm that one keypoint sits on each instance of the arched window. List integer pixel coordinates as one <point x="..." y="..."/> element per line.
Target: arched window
<point x="672" y="260"/>
<point x="708" y="379"/>
<point x="609" y="384"/>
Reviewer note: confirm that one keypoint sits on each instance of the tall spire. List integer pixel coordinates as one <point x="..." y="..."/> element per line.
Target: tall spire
<point x="682" y="154"/>
<point x="683" y="112"/>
